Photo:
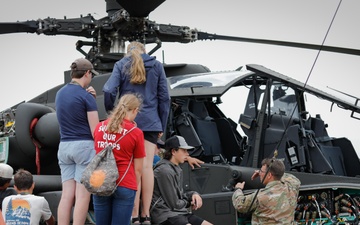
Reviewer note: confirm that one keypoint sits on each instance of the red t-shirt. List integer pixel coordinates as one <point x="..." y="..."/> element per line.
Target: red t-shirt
<point x="131" y="144"/>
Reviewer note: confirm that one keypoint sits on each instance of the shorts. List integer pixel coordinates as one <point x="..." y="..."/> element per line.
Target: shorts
<point x="151" y="136"/>
<point x="73" y="158"/>
<point x="184" y="219"/>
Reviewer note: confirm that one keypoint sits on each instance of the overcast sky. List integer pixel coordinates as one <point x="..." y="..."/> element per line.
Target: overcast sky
<point x="31" y="64"/>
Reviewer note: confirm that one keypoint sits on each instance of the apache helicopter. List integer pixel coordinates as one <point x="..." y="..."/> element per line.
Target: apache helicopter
<point x="274" y="119"/>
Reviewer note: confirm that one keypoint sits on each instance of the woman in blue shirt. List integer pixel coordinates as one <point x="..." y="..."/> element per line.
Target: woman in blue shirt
<point x="142" y="74"/>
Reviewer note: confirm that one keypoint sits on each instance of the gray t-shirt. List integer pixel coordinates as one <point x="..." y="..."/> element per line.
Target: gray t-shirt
<point x="25" y="209"/>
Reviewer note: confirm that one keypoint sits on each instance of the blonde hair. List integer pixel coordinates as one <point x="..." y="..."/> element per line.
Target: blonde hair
<point x="137" y="68"/>
<point x="126" y="103"/>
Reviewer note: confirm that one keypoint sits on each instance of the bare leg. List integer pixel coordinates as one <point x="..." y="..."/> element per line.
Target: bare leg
<point x="147" y="179"/>
<point x="135" y="212"/>
<point x="81" y="204"/>
<point x="66" y="202"/>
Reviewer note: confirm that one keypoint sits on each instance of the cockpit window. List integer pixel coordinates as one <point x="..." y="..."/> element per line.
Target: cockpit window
<point x="283" y="101"/>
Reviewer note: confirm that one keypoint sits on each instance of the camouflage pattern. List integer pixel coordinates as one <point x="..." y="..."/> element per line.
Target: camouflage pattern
<point x="275" y="204"/>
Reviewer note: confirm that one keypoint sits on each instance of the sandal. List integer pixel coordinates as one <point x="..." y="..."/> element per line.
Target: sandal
<point x="135" y="221"/>
<point x="145" y="220"/>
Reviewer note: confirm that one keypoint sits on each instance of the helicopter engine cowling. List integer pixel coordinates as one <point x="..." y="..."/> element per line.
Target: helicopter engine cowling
<point x="46" y="131"/>
<point x="25" y="115"/>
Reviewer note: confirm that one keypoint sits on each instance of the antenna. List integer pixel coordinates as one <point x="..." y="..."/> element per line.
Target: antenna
<point x="163" y="57"/>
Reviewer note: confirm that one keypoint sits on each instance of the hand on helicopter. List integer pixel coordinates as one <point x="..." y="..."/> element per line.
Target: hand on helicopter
<point x="240" y="185"/>
<point x="194" y="162"/>
<point x="91" y="90"/>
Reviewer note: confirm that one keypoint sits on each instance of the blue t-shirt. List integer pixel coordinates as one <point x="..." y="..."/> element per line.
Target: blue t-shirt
<point x="156" y="159"/>
<point x="72" y="104"/>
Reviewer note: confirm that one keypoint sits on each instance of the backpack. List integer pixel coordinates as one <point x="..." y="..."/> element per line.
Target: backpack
<point x="100" y="175"/>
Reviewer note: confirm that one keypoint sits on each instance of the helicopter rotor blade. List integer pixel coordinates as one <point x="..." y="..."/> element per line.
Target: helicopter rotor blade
<point x="18" y="27"/>
<point x="122" y="26"/>
<point x="81" y="27"/>
<point x="350" y="51"/>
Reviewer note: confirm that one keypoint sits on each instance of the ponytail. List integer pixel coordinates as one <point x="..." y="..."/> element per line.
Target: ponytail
<point x="137" y="69"/>
<point x="126" y="103"/>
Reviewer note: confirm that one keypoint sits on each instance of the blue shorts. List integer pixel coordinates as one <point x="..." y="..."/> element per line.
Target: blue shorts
<point x="73" y="158"/>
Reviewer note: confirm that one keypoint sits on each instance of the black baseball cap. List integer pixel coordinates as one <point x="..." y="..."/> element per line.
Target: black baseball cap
<point x="176" y="142"/>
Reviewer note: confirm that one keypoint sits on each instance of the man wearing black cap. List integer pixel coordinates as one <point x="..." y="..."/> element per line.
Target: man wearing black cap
<point x="77" y="114"/>
<point x="169" y="203"/>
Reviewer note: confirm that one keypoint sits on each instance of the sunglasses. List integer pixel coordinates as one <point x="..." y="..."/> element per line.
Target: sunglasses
<point x="92" y="74"/>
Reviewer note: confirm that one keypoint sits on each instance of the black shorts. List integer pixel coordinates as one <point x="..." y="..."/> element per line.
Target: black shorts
<point x="151" y="136"/>
<point x="184" y="219"/>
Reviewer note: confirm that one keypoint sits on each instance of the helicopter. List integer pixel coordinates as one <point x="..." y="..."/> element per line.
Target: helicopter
<point x="191" y="85"/>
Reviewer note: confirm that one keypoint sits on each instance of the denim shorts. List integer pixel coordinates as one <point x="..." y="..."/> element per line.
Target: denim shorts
<point x="73" y="158"/>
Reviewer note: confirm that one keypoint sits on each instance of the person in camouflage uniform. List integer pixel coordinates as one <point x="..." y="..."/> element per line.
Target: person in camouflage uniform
<point x="274" y="204"/>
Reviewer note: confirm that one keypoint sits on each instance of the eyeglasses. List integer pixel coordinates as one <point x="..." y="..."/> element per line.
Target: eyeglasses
<point x="262" y="171"/>
<point x="92" y="74"/>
